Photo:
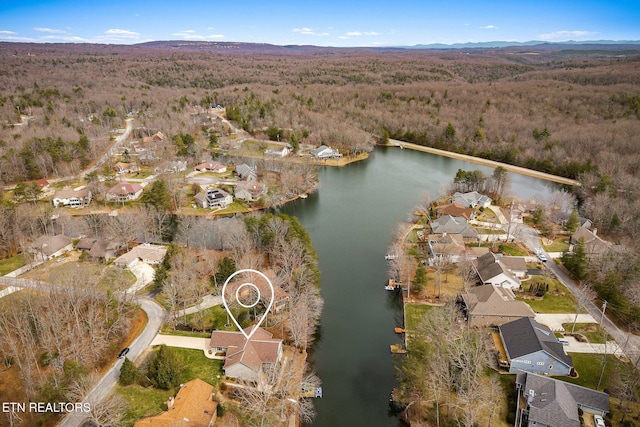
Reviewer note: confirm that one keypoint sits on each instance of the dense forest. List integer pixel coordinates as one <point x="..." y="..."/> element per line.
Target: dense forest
<point x="571" y="111"/>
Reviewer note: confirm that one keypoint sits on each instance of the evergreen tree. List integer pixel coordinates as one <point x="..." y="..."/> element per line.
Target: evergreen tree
<point x="129" y="373"/>
<point x="166" y="368"/>
<point x="573" y="222"/>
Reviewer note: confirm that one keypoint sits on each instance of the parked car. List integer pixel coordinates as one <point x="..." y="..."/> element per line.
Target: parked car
<point x="123" y="353"/>
<point x="599" y="421"/>
<point x="542" y="256"/>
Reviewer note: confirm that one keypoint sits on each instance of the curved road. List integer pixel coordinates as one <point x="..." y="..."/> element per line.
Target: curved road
<point x="628" y="342"/>
<point x="155" y="315"/>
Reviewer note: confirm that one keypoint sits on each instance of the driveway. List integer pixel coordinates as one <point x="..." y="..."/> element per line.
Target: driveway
<point x="555" y="321"/>
<point x="144" y="275"/>
<point x="575" y="346"/>
<point x="185" y="342"/>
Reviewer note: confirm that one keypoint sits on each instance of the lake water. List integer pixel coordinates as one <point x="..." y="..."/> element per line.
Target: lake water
<point x="351" y="219"/>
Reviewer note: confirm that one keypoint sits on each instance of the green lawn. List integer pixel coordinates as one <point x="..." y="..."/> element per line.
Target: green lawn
<point x="511" y="249"/>
<point x="148" y="401"/>
<point x="558" y="245"/>
<point x="592" y="331"/>
<point x="10" y="264"/>
<point x="116" y="278"/>
<point x="589" y="367"/>
<point x="557" y="300"/>
<point x="414" y="314"/>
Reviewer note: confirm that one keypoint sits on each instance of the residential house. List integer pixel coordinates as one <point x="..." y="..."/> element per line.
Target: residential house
<point x="246" y="172"/>
<point x="45" y="189"/>
<point x="146" y="252"/>
<point x="456" y="209"/>
<point x="211" y="197"/>
<point x="324" y="152"/>
<point x="472" y="199"/>
<point x="192" y="406"/>
<point x="124" y="192"/>
<point x="545" y="401"/>
<point x="122" y="167"/>
<point x="77" y="198"/>
<point x="48" y="247"/>
<point x="282" y="151"/>
<point x="453" y="225"/>
<point x="175" y="166"/>
<point x="532" y="347"/>
<point x="211" y="167"/>
<point x="246" y="359"/>
<point x="156" y="137"/>
<point x="488" y="305"/>
<point x="446" y="246"/>
<point x="250" y="191"/>
<point x="516" y="265"/>
<point x="99" y="248"/>
<point x="492" y="271"/>
<point x="594" y="246"/>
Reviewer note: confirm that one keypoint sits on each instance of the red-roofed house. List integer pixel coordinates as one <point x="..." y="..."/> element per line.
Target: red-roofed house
<point x="246" y="360"/>
<point x="123" y="192"/>
<point x="211" y="167"/>
<point x="455" y="209"/>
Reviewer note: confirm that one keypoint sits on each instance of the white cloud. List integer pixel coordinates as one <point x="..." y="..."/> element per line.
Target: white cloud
<point x="49" y="30"/>
<point x="3" y="32"/>
<point x="65" y="39"/>
<point x="489" y="27"/>
<point x="125" y="34"/>
<point x="361" y="33"/>
<point x="309" y="32"/>
<point x="566" y="35"/>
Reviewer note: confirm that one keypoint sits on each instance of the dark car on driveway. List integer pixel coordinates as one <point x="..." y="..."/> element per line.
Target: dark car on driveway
<point x="123" y="353"/>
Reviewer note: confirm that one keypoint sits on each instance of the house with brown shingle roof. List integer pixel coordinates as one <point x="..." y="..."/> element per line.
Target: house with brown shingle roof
<point x="192" y="406"/>
<point x="487" y="305"/>
<point x="456" y="209"/>
<point x="124" y="192"/>
<point x="246" y="359"/>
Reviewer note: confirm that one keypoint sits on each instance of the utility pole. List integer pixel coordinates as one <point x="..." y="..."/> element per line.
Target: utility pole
<point x="604" y="307"/>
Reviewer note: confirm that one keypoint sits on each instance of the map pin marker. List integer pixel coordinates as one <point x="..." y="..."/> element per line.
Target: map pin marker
<point x="262" y="289"/>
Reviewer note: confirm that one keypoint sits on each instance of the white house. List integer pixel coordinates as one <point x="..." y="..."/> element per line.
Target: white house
<point x="211" y="197"/>
<point x="324" y="152"/>
<point x="146" y="252"/>
<point x="73" y="198"/>
<point x="283" y="151"/>
<point x="472" y="199"/>
<point x="211" y="167"/>
<point x="492" y="271"/>
<point x="124" y="192"/>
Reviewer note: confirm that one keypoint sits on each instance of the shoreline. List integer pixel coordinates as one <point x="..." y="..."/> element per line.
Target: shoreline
<point x="478" y="160"/>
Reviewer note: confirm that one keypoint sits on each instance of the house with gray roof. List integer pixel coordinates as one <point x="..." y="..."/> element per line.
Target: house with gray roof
<point x="594" y="246"/>
<point x="472" y="199"/>
<point x="49" y="247"/>
<point x="211" y="197"/>
<point x="493" y="270"/>
<point x="545" y="401"/>
<point x="488" y="305"/>
<point x="246" y="172"/>
<point x="532" y="347"/>
<point x="453" y="225"/>
<point x="324" y="152"/>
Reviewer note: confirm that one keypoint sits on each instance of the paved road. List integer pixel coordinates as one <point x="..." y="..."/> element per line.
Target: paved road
<point x="629" y="343"/>
<point x="155" y="314"/>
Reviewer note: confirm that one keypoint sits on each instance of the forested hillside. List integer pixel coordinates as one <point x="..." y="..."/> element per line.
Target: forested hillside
<point x="570" y="112"/>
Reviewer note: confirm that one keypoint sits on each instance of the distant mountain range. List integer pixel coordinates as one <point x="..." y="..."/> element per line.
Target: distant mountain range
<point x="499" y="44"/>
<point x="242" y="47"/>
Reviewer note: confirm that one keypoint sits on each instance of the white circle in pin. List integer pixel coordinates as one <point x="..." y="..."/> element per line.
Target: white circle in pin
<point x="238" y="295"/>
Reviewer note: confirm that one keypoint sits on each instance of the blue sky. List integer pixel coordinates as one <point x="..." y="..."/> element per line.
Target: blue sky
<point x="321" y="23"/>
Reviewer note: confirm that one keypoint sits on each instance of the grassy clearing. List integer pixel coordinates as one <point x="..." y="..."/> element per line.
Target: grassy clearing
<point x="557" y="300"/>
<point x="558" y="245"/>
<point x="589" y="367"/>
<point x="8" y="265"/>
<point x="414" y="314"/>
<point x="592" y="331"/>
<point x="149" y="401"/>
